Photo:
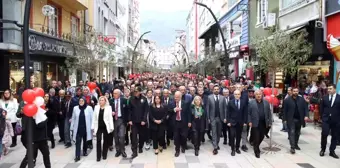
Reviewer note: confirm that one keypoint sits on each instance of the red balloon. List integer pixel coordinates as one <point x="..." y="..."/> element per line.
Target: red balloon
<point x="276" y="92"/>
<point x="269" y="99"/>
<point x="267" y="91"/>
<point x="276" y="101"/>
<point x="30" y="110"/>
<point x="92" y="85"/>
<point x="39" y="92"/>
<point x="28" y="96"/>
<point x="43" y="107"/>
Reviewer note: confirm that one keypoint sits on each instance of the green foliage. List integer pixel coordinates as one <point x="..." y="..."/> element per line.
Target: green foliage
<point x="282" y="51"/>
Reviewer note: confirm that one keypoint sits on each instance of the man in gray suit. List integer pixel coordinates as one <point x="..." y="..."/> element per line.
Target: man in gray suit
<point x="216" y="114"/>
<point x="259" y="118"/>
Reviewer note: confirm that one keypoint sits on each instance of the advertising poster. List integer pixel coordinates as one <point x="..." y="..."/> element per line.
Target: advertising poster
<point x="337" y="75"/>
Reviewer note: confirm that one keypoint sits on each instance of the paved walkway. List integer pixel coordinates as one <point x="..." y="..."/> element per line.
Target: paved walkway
<point x="308" y="157"/>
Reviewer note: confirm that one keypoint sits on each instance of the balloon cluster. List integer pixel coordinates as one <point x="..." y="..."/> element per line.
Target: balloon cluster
<point x="34" y="101"/>
<point x="270" y="95"/>
<point x="92" y="86"/>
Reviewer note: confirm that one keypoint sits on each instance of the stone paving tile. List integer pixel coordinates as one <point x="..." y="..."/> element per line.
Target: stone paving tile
<point x="220" y="165"/>
<point x="137" y="166"/>
<point x="192" y="159"/>
<point x="72" y="165"/>
<point x="6" y="165"/>
<point x="305" y="165"/>
<point x="181" y="165"/>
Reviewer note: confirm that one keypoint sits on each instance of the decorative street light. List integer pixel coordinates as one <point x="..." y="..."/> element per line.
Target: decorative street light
<point x="134" y="50"/>
<point x="223" y="39"/>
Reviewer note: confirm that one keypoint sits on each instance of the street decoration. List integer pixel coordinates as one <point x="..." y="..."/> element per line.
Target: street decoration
<point x="28" y="96"/>
<point x="270" y="91"/>
<point x="333" y="46"/>
<point x="92" y="86"/>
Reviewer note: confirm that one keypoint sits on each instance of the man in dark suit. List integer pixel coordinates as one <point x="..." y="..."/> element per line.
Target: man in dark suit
<point x="225" y="128"/>
<point x="216" y="111"/>
<point x="236" y="119"/>
<point x="61" y="115"/>
<point x="329" y="108"/>
<point x="295" y="115"/>
<point x="259" y="118"/>
<point x="180" y="119"/>
<point x="119" y="113"/>
<point x="167" y="100"/>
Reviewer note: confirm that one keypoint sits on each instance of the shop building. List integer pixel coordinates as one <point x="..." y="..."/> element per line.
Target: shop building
<point x="306" y="15"/>
<point x="331" y="24"/>
<point x="234" y="24"/>
<point x="50" y="41"/>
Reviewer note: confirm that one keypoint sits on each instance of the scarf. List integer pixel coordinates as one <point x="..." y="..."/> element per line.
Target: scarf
<point x="198" y="112"/>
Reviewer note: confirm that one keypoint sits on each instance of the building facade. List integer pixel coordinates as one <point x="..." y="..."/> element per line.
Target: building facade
<point x="50" y="41"/>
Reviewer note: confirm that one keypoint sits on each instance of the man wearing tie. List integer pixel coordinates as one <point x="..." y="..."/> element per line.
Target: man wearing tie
<point x="120" y="119"/>
<point x="330" y="106"/>
<point x="216" y="110"/>
<point x="237" y="119"/>
<point x="181" y="123"/>
<point x="68" y="115"/>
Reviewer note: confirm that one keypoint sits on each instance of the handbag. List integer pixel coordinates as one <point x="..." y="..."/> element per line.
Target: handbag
<point x="18" y="128"/>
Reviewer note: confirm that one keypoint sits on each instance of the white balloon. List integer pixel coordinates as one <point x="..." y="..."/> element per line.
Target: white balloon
<point x="39" y="101"/>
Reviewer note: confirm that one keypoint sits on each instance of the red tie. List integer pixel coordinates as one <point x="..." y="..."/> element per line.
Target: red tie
<point x="178" y="113"/>
<point x="116" y="116"/>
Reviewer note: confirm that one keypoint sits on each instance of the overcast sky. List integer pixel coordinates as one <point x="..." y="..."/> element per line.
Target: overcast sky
<point x="162" y="18"/>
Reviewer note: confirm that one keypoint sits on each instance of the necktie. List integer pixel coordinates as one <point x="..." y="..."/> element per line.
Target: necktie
<point x="178" y="113"/>
<point x="116" y="116"/>
<point x="237" y="104"/>
<point x="216" y="98"/>
<point x="331" y="100"/>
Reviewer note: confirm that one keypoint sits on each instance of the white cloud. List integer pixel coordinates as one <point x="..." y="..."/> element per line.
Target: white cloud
<point x="165" y="5"/>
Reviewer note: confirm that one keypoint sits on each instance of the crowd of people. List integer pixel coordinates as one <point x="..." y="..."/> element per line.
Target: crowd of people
<point x="155" y="109"/>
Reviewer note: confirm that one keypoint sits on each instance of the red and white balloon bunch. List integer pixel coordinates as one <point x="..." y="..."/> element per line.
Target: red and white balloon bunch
<point x="34" y="104"/>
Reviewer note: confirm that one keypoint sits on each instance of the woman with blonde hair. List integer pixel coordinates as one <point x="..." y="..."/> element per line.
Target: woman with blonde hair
<point x="11" y="105"/>
<point x="197" y="122"/>
<point x="102" y="125"/>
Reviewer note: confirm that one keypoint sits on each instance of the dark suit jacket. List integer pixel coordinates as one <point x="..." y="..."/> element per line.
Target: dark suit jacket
<point x="200" y="123"/>
<point x="253" y="113"/>
<point x="123" y="108"/>
<point x="185" y="114"/>
<point x="330" y="112"/>
<point x="158" y="114"/>
<point x="61" y="108"/>
<point x="235" y="115"/>
<point x="289" y="109"/>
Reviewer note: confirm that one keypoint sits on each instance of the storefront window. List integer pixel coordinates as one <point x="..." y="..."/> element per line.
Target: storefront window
<point x="287" y="3"/>
<point x="17" y="74"/>
<point x="50" y="73"/>
<point x="236" y="27"/>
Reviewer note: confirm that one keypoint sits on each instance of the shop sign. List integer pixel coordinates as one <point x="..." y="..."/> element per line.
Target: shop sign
<point x="332" y="7"/>
<point x="233" y="54"/>
<point x="234" y="42"/>
<point x="42" y="44"/>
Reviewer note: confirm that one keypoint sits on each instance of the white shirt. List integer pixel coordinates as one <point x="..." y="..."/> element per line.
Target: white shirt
<point x="216" y="97"/>
<point x="334" y="96"/>
<point x="227" y="99"/>
<point x="119" y="113"/>
<point x="179" y="105"/>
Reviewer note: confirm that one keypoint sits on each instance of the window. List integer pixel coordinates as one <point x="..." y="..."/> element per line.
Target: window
<point x="74" y="26"/>
<point x="286" y="3"/>
<point x="236" y="27"/>
<point x="232" y="3"/>
<point x="53" y="22"/>
<point x="262" y="8"/>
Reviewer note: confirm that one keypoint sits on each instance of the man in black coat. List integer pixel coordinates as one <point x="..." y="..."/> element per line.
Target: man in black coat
<point x="137" y="118"/>
<point x="120" y="117"/>
<point x="295" y="115"/>
<point x="329" y="108"/>
<point x="236" y="119"/>
<point x="180" y="120"/>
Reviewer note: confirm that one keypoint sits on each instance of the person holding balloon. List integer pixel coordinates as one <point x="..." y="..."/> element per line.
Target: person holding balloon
<point x="81" y="126"/>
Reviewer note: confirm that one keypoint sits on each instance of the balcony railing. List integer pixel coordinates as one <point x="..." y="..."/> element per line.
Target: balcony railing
<point x="53" y="32"/>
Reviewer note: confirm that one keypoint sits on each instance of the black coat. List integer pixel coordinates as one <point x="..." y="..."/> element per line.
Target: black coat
<point x="123" y="108"/>
<point x="289" y="109"/>
<point x="52" y="107"/>
<point x="198" y="124"/>
<point x="330" y="112"/>
<point x="185" y="114"/>
<point x="158" y="114"/>
<point x="235" y="115"/>
<point x="39" y="130"/>
<point x="138" y="108"/>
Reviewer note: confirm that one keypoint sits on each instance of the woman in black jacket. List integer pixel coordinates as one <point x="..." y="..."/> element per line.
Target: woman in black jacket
<point x="157" y="118"/>
<point x="197" y="120"/>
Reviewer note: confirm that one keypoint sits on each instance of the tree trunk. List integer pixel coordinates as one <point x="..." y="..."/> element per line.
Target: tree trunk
<point x="272" y="109"/>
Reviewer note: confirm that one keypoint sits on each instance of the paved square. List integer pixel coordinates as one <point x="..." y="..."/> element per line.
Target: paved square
<point x="308" y="157"/>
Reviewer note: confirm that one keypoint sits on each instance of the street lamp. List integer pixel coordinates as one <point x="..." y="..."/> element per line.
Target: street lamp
<point x="186" y="53"/>
<point x="134" y="49"/>
<point x="220" y="29"/>
<point x="147" y="58"/>
<point x="25" y="47"/>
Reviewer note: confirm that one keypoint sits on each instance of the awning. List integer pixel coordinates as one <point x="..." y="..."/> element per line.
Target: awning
<point x="213" y="28"/>
<point x="74" y="4"/>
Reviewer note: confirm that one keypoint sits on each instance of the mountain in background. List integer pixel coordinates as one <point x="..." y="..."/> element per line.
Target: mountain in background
<point x="163" y="25"/>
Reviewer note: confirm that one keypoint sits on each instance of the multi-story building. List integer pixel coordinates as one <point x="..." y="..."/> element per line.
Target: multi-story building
<point x="52" y="31"/>
<point x="180" y="47"/>
<point x="133" y="22"/>
<point x="191" y="32"/>
<point x="164" y="58"/>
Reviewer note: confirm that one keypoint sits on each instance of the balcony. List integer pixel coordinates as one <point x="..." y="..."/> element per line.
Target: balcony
<point x="74" y="4"/>
<point x="53" y="33"/>
<point x="294" y="6"/>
